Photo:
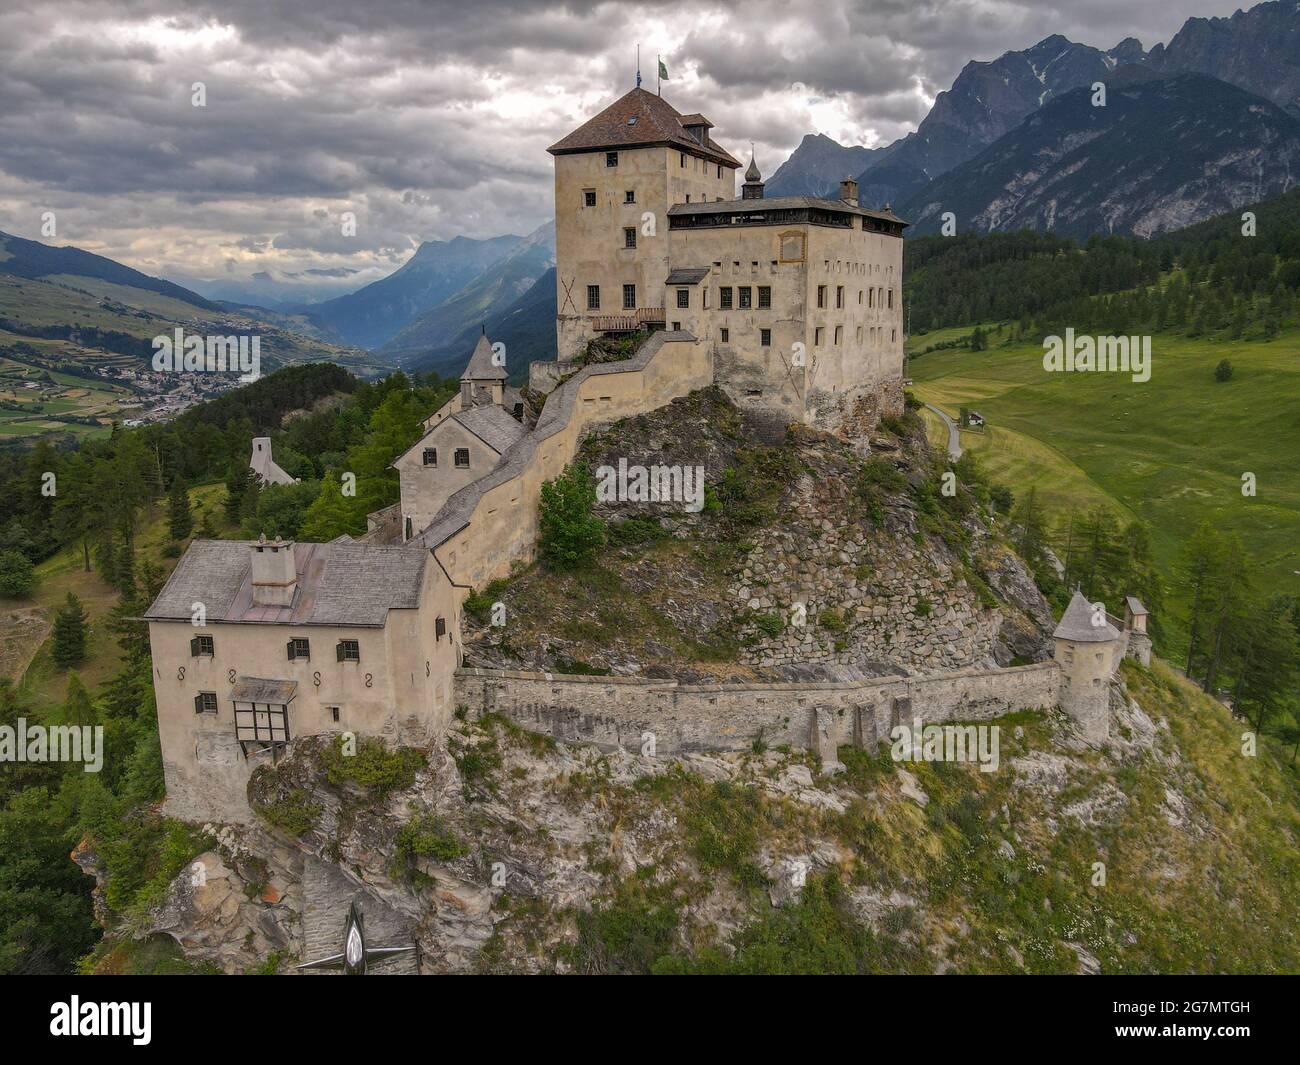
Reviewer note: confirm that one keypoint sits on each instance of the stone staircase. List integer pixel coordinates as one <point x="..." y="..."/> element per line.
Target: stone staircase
<point x="326" y="895"/>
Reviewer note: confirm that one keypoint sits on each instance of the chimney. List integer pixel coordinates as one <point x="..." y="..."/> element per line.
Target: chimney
<point x="275" y="577"/>
<point x="849" y="191"/>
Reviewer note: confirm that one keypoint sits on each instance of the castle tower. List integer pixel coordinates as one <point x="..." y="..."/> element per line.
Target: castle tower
<point x="1135" y="626"/>
<point x="616" y="176"/>
<point x="483" y="381"/>
<point x="1088" y="650"/>
<point x="752" y="189"/>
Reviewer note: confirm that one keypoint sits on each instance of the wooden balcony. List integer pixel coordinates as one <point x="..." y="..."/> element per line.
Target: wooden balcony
<point x="628" y="322"/>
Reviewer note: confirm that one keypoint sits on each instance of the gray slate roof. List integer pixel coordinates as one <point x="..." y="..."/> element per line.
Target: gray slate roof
<point x="338" y="584"/>
<point x="491" y="424"/>
<point x="261" y="690"/>
<point x="1134" y="605"/>
<point x="687" y="275"/>
<point x="455" y="513"/>
<point x="1076" y="624"/>
<point x="480" y="367"/>
<point x="780" y="203"/>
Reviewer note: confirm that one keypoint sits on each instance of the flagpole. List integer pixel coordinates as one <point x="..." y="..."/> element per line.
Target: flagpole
<point x="658" y="83"/>
<point x="638" y="66"/>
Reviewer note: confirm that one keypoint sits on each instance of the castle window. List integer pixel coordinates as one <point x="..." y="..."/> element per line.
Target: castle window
<point x="817" y="336"/>
<point x="859" y="334"/>
<point x="205" y="703"/>
<point x="629" y="237"/>
<point x="839" y="297"/>
<point x="821" y="295"/>
<point x="440" y="628"/>
<point x="629" y="297"/>
<point x="724" y="297"/>
<point x="765" y="337"/>
<point x="792" y="247"/>
<point x="334" y="714"/>
<point x="683" y="297"/>
<point x="348" y="651"/>
<point x="676" y="327"/>
<point x="430" y="456"/>
<point x="719" y="173"/>
<point x="871" y="297"/>
<point x="682" y="160"/>
<point x="611" y="158"/>
<point x="629" y="196"/>
<point x="746" y="297"/>
<point x="891" y="299"/>
<point x="300" y="646"/>
<point x="461" y="458"/>
<point x="593" y="297"/>
<point x="893" y="335"/>
<point x="765" y="295"/>
<point x="408" y="527"/>
<point x="588" y="197"/>
<point x="859" y="297"/>
<point x="202" y="646"/>
<point x="724" y="335"/>
<point x="839" y="333"/>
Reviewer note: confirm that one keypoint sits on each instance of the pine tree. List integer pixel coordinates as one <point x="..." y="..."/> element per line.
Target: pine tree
<point x="70" y="633"/>
<point x="78" y="708"/>
<point x="180" y="523"/>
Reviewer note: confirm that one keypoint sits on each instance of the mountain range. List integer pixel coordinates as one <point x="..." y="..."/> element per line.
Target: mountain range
<point x="1161" y="154"/>
<point x="1256" y="50"/>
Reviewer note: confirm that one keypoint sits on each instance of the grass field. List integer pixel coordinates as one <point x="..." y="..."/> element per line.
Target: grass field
<point x="25" y="623"/>
<point x="1171" y="451"/>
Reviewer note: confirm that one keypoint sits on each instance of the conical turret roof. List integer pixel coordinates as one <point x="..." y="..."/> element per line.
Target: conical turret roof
<point x="1077" y="623"/>
<point x="480" y="366"/>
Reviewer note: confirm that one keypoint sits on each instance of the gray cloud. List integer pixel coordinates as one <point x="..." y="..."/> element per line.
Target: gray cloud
<point x="428" y="119"/>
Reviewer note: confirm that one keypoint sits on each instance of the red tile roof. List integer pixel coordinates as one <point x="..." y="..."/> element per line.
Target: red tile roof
<point x="641" y="120"/>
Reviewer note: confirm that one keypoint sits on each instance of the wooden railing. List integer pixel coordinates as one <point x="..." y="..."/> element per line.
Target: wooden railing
<point x="627" y="323"/>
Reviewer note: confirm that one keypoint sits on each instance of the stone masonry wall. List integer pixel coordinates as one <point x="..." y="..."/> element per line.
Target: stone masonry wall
<point x="615" y="712"/>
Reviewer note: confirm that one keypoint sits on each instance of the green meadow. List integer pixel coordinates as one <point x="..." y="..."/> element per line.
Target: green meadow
<point x="1172" y="451"/>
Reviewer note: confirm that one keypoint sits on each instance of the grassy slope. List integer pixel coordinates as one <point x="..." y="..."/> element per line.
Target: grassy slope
<point x="25" y="622"/>
<point x="1171" y="451"/>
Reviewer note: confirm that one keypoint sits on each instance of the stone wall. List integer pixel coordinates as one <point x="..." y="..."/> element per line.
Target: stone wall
<point x="619" y="711"/>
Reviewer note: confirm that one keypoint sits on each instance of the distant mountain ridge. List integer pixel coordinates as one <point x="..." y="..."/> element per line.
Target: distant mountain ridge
<point x="491" y="292"/>
<point x="1162" y="153"/>
<point x="32" y="259"/>
<point x="375" y="314"/>
<point x="1256" y="50"/>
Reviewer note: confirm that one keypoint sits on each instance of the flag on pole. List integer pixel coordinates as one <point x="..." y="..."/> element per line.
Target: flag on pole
<point x="663" y="71"/>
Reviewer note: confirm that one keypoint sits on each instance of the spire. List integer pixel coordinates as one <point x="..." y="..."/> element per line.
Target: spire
<point x="753" y="186"/>
<point x="481" y="367"/>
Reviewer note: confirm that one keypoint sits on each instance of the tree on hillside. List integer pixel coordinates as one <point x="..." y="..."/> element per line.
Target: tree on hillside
<point x="79" y="508"/>
<point x="1226" y="605"/>
<point x="569" y="534"/>
<point x="329" y="514"/>
<point x="1263" y="655"/>
<point x="180" y="522"/>
<point x="1029" y="528"/>
<point x="1198" y="566"/>
<point x="240" y="480"/>
<point x="70" y="633"/>
<point x="78" y="707"/>
<point x="1223" y="372"/>
<point x="17" y="575"/>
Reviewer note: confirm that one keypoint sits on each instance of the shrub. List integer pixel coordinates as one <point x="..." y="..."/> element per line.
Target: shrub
<point x="17" y="576"/>
<point x="373" y="767"/>
<point x="569" y="534"/>
<point x="1223" y="372"/>
<point x="770" y="624"/>
<point x="426" y="837"/>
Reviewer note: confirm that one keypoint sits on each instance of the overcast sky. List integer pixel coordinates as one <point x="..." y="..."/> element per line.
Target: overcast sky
<point x="430" y="119"/>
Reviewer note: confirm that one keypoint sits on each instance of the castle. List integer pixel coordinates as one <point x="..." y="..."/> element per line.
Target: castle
<point x="792" y="305"/>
